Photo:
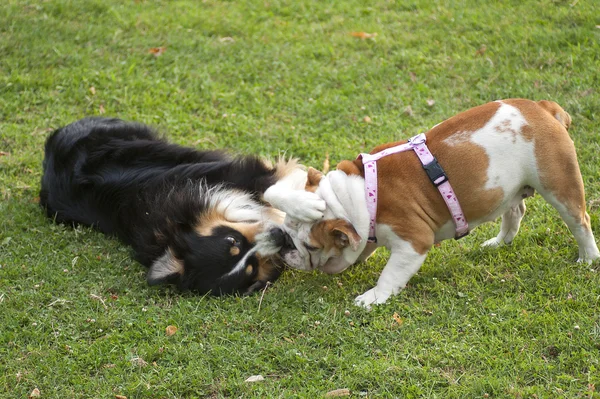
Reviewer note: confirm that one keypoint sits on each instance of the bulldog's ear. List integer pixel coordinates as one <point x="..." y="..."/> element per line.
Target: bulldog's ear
<point x="345" y="235"/>
<point x="165" y="270"/>
<point x="313" y="179"/>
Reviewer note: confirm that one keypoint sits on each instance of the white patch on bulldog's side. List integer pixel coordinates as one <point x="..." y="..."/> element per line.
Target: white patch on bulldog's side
<point x="511" y="157"/>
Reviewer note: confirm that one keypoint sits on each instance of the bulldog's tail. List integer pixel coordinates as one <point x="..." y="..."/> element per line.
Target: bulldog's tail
<point x="557" y="112"/>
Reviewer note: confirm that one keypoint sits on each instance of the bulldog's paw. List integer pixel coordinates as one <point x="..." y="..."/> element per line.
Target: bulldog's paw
<point x="492" y="243"/>
<point x="588" y="259"/>
<point x="373" y="296"/>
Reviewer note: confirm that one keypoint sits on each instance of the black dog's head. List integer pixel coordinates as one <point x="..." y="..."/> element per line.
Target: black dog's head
<point x="229" y="245"/>
<point x="225" y="261"/>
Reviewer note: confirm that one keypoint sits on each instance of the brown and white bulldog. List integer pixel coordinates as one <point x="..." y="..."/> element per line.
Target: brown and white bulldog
<point x="494" y="155"/>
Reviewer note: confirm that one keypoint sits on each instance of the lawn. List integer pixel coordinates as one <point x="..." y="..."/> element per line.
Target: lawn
<point x="268" y="77"/>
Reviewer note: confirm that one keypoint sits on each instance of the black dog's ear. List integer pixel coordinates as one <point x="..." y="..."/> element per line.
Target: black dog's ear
<point x="164" y="270"/>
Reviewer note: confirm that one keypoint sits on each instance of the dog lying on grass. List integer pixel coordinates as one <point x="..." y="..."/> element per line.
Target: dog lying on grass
<point x="196" y="219"/>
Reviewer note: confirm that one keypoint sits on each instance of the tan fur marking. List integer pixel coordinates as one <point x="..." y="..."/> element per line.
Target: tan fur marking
<point x="234" y="251"/>
<point x="557" y="112"/>
<point x="211" y="221"/>
<point x="249" y="270"/>
<point x="284" y="167"/>
<point x="313" y="179"/>
<point x="350" y="167"/>
<point x="266" y="269"/>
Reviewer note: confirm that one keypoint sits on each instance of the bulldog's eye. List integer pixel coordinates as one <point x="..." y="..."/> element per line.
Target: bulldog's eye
<point x="231" y="240"/>
<point x="310" y="247"/>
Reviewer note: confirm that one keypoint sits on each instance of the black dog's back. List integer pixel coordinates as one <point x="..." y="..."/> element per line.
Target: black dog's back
<point x="88" y="159"/>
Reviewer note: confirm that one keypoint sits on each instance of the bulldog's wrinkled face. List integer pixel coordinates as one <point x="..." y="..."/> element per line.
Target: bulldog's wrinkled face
<point x="310" y="246"/>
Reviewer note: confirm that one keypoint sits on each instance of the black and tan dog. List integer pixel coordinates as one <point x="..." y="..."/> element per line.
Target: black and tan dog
<point x="197" y="219"/>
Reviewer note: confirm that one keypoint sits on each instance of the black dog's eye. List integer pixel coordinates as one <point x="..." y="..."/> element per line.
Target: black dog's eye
<point x="231" y="240"/>
<point x="310" y="247"/>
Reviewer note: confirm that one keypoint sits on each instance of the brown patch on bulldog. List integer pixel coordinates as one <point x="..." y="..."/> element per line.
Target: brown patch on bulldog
<point x="351" y="167"/>
<point x="410" y="204"/>
<point x="335" y="234"/>
<point x="313" y="179"/>
<point x="557" y="112"/>
<point x="555" y="154"/>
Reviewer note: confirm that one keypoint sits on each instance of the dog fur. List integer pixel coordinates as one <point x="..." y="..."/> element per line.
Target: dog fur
<point x="494" y="155"/>
<point x="196" y="219"/>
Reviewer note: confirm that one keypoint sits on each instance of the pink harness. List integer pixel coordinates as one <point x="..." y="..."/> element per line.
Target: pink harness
<point x="434" y="171"/>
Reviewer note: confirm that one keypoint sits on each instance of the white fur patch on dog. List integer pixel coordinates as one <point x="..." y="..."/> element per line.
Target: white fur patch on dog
<point x="164" y="267"/>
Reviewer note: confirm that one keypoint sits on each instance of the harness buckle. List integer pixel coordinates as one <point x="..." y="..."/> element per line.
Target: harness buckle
<point x="435" y="172"/>
<point x="418" y="139"/>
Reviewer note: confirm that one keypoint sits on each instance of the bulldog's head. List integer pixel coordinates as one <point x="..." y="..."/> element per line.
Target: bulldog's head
<point x="318" y="245"/>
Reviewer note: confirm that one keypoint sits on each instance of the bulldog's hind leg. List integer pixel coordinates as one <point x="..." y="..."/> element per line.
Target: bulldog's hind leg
<point x="511" y="220"/>
<point x="577" y="219"/>
<point x="561" y="185"/>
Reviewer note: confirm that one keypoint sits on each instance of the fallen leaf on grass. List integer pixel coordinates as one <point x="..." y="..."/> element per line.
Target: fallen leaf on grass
<point x="171" y="330"/>
<point x="430" y="102"/>
<point x="93" y="90"/>
<point x="408" y="110"/>
<point x="120" y="397"/>
<point x="367" y="119"/>
<point x="138" y="361"/>
<point x="338" y="392"/>
<point x="101" y="109"/>
<point x="255" y="378"/>
<point x="157" y="51"/>
<point x="364" y="35"/>
<point x="35" y="393"/>
<point x="4" y="154"/>
<point x="397" y="318"/>
<point x="227" y="39"/>
<point x="481" y="50"/>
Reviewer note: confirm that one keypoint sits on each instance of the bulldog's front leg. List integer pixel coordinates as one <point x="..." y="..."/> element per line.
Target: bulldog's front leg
<point x="404" y="262"/>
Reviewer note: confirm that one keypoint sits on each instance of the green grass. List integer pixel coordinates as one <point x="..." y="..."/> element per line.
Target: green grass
<point x="75" y="312"/>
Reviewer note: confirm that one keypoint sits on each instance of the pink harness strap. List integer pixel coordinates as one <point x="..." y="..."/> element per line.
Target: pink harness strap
<point x="434" y="171"/>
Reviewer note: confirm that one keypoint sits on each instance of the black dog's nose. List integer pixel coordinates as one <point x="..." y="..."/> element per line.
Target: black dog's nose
<point x="278" y="236"/>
